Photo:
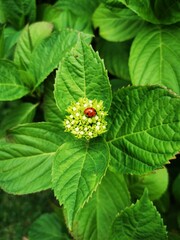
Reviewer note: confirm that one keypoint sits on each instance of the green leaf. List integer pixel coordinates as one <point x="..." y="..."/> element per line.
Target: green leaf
<point x="2" y="42"/>
<point x="8" y="40"/>
<point x="72" y="14"/>
<point x="2" y="13"/>
<point x="47" y="55"/>
<point x="83" y="6"/>
<point x="141" y="115"/>
<point x="140" y="221"/>
<point x="48" y="13"/>
<point x="142" y="8"/>
<point x="51" y="111"/>
<point x="81" y="74"/>
<point x="29" y="39"/>
<point x="19" y="12"/>
<point x="156" y="182"/>
<point x="78" y="169"/>
<point x="154" y="57"/>
<point x="115" y="24"/>
<point x="25" y="163"/>
<point x="76" y="14"/>
<point x="21" y="113"/>
<point x="161" y="11"/>
<point x="11" y="85"/>
<point x="47" y="227"/>
<point x="116" y="56"/>
<point x="96" y="217"/>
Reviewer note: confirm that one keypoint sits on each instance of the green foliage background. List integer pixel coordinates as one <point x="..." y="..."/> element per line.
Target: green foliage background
<point x="121" y="185"/>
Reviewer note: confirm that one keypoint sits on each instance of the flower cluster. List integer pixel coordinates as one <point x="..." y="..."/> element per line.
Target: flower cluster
<point x="86" y="118"/>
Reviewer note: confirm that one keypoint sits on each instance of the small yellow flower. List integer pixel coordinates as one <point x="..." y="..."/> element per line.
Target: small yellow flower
<point x="86" y="118"/>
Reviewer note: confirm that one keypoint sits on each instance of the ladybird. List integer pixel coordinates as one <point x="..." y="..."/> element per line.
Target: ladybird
<point x="90" y="112"/>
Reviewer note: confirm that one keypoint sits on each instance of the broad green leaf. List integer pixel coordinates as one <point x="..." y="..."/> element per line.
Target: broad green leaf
<point x="116" y="56"/>
<point x="176" y="189"/>
<point x="115" y="24"/>
<point x="2" y="13"/>
<point x="142" y="8"/>
<point x="154" y="57"/>
<point x="83" y="6"/>
<point x="47" y="227"/>
<point x="70" y="17"/>
<point x="139" y="221"/>
<point x="76" y="14"/>
<point x="81" y="74"/>
<point x="25" y="163"/>
<point x="51" y="111"/>
<point x="50" y="51"/>
<point x="18" y="12"/>
<point x="8" y="39"/>
<point x="48" y="13"/>
<point x="94" y="220"/>
<point x="161" y="11"/>
<point x="2" y="42"/>
<point x="156" y="182"/>
<point x="21" y="113"/>
<point x="62" y="16"/>
<point x="78" y="169"/>
<point x="11" y="85"/>
<point x="30" y="38"/>
<point x="144" y="130"/>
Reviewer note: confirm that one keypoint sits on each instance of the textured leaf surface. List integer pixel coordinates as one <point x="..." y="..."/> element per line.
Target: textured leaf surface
<point x="116" y="56"/>
<point x="11" y="86"/>
<point x="144" y="130"/>
<point x="140" y="221"/>
<point x="10" y="37"/>
<point x="75" y="14"/>
<point x="81" y="74"/>
<point x="25" y="163"/>
<point x="22" y="113"/>
<point x="154" y="57"/>
<point x="94" y="220"/>
<point x="30" y="37"/>
<point x="83" y="6"/>
<point x="78" y="168"/>
<point x="51" y="111"/>
<point x="46" y="56"/>
<point x="156" y="182"/>
<point x="18" y="12"/>
<point x="47" y="227"/>
<point x="163" y="11"/>
<point x="116" y="25"/>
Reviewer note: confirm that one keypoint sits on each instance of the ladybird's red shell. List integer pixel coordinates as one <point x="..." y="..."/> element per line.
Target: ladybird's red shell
<point x="90" y="112"/>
